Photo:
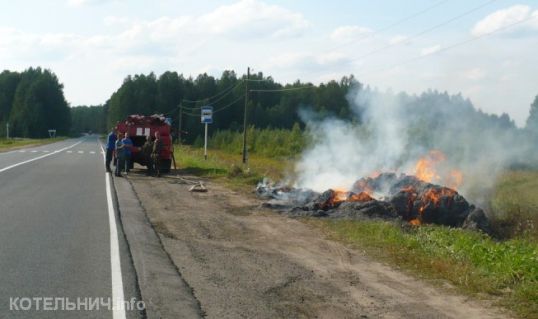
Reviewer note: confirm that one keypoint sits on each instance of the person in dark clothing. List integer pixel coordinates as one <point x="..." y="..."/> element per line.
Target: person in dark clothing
<point x="120" y="158"/>
<point x="110" y="146"/>
<point x="147" y="149"/>
<point x="156" y="153"/>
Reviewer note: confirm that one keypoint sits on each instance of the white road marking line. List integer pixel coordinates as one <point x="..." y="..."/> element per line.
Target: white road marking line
<point x="118" y="309"/>
<point x="39" y="157"/>
<point x="92" y="152"/>
<point x="69" y="152"/>
<point x="22" y="151"/>
<point x="34" y="151"/>
<point x="81" y="152"/>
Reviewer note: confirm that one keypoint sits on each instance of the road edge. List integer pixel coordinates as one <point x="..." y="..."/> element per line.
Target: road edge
<point x="162" y="288"/>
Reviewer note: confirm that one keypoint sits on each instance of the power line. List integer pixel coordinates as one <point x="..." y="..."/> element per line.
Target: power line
<point x="222" y="95"/>
<point x="229" y="105"/>
<point x="421" y="33"/>
<point x="285" y="89"/>
<point x="259" y="80"/>
<point x="457" y="44"/>
<point x="217" y="110"/>
<point x="390" y="26"/>
<point x="216" y="95"/>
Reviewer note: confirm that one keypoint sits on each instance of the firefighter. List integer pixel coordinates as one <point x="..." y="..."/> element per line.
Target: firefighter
<point x="127" y="150"/>
<point x="120" y="158"/>
<point x="147" y="150"/>
<point x="156" y="153"/>
<point x="110" y="145"/>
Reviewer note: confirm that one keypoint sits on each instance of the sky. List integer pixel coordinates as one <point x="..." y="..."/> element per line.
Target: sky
<point x="485" y="50"/>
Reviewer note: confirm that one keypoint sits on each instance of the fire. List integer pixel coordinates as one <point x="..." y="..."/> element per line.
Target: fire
<point x="425" y="169"/>
<point x="361" y="186"/>
<point x="340" y="196"/>
<point x="360" y="197"/>
<point x="430" y="169"/>
<point x="434" y="195"/>
<point x="455" y="179"/>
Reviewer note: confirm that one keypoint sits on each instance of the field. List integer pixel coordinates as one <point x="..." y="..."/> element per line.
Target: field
<point x="503" y="269"/>
<point x="10" y="144"/>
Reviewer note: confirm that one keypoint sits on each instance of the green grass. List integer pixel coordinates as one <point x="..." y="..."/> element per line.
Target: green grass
<point x="504" y="270"/>
<point x="515" y="204"/>
<point x="472" y="262"/>
<point x="228" y="167"/>
<point x="8" y="144"/>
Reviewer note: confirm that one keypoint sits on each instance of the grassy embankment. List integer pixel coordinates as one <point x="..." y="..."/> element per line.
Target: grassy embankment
<point x="504" y="270"/>
<point x="10" y="144"/>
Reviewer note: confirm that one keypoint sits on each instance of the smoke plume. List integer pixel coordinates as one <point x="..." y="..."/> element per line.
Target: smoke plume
<point x="392" y="132"/>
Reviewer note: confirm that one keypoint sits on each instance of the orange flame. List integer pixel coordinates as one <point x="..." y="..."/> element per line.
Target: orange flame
<point x="425" y="169"/>
<point x="362" y="187"/>
<point x="429" y="169"/>
<point x="455" y="179"/>
<point x="338" y="197"/>
<point x="433" y="197"/>
<point x="360" y="197"/>
<point x="341" y="196"/>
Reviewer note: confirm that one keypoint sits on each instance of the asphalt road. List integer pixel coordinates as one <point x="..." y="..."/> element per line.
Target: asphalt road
<point x="55" y="235"/>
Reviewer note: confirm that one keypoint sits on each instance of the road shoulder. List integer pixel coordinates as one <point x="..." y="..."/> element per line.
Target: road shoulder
<point x="243" y="261"/>
<point x="162" y="288"/>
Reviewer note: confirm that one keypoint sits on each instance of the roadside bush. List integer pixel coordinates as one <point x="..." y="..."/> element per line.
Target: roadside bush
<point x="272" y="143"/>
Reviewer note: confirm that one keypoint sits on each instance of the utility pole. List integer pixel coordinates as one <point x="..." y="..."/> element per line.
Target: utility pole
<point x="179" y="123"/>
<point x="245" y="157"/>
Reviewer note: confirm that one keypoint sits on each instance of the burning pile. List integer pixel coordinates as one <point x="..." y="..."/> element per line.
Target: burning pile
<point x="388" y="196"/>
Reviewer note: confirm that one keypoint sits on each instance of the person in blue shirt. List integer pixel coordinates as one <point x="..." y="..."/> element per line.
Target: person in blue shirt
<point x="110" y="146"/>
<point x="127" y="144"/>
<point x="120" y="158"/>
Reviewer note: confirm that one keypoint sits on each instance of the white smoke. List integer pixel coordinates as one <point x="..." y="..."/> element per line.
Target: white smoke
<point x="395" y="131"/>
<point x="344" y="151"/>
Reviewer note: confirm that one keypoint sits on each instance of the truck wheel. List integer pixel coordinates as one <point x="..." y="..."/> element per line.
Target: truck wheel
<point x="166" y="165"/>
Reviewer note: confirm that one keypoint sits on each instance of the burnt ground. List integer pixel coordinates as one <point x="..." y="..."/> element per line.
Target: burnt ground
<point x="243" y="261"/>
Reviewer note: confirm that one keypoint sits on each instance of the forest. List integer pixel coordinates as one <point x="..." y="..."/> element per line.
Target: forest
<point x="32" y="102"/>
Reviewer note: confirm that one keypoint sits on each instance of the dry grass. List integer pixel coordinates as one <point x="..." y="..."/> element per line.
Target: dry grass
<point x="10" y="144"/>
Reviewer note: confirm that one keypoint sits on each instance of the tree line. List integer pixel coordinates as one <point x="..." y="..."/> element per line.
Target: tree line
<point x="32" y="102"/>
<point x="148" y="94"/>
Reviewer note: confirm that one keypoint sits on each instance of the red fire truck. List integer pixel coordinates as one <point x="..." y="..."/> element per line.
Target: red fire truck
<point x="141" y="128"/>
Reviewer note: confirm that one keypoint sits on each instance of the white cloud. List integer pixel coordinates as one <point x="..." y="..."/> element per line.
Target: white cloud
<point x="80" y="3"/>
<point x="115" y="20"/>
<point x="349" y="33"/>
<point x="297" y="64"/>
<point x="397" y="39"/>
<point x="430" y="50"/>
<point x="474" y="74"/>
<point x="253" y="18"/>
<point x="505" y="17"/>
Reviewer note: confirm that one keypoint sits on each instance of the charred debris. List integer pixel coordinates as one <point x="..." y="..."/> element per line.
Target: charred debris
<point x="387" y="196"/>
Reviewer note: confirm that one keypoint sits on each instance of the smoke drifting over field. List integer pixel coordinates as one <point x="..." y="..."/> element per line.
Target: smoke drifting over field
<point x="393" y="132"/>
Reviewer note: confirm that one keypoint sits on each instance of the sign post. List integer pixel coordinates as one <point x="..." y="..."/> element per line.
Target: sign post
<point x="206" y="118"/>
<point x="7" y="131"/>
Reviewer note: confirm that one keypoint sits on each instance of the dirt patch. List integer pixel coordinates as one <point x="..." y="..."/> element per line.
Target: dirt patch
<point x="246" y="262"/>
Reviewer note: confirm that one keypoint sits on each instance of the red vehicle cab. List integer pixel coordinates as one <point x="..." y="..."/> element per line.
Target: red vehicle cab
<point x="140" y="128"/>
